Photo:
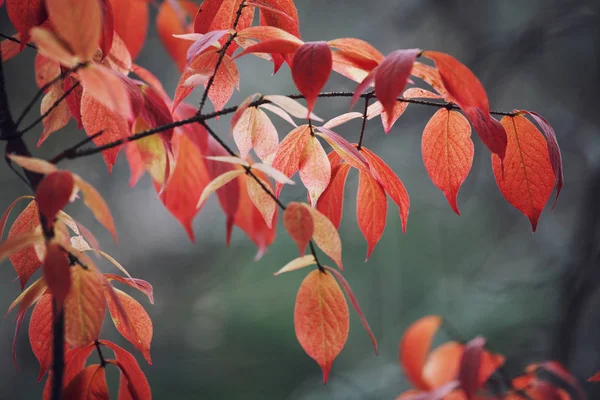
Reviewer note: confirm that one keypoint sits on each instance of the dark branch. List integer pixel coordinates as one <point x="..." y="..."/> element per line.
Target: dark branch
<point x="49" y="110"/>
<point x="100" y="355"/>
<point x="12" y="39"/>
<point x="364" y="122"/>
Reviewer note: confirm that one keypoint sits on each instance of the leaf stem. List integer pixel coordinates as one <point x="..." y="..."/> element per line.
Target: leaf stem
<point x="364" y="122"/>
<point x="100" y="354"/>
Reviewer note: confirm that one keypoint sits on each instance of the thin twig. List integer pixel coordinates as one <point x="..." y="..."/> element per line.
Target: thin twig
<point x="49" y="110"/>
<point x="364" y="123"/>
<point x="71" y="150"/>
<point x="100" y="355"/>
<point x="12" y="39"/>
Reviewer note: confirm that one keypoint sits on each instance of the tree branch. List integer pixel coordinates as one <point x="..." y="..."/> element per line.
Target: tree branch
<point x="364" y="122"/>
<point x="12" y="39"/>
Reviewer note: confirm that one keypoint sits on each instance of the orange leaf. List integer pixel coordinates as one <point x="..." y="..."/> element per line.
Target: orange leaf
<point x="315" y="171"/>
<point x="321" y="319"/>
<point x="108" y="88"/>
<point x="78" y="23"/>
<point x="97" y="205"/>
<point x="141" y="333"/>
<point x="527" y="178"/>
<point x="56" y="273"/>
<point x="131" y="23"/>
<point x="172" y="20"/>
<point x="326" y="236"/>
<point x="52" y="47"/>
<point x="7" y="213"/>
<point x="310" y="70"/>
<point x="355" y="305"/>
<point x="390" y="182"/>
<point x="149" y="153"/>
<point x="286" y="19"/>
<point x="388" y="120"/>
<point x="448" y="152"/>
<point x="46" y="69"/>
<point x="331" y="201"/>
<point x="135" y="283"/>
<point x="289" y="153"/>
<point x="355" y="53"/>
<point x="414" y="348"/>
<point x="88" y="384"/>
<point x="466" y="91"/>
<point x="262" y="200"/>
<point x="40" y="333"/>
<point x="84" y="306"/>
<point x="371" y="210"/>
<point x="299" y="224"/>
<point x="53" y="194"/>
<point x="24" y="15"/>
<point x="133" y="382"/>
<point x="33" y="164"/>
<point x="59" y="117"/>
<point x="343" y="148"/>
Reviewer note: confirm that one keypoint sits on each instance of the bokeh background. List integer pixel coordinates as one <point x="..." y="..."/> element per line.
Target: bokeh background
<point x="223" y="325"/>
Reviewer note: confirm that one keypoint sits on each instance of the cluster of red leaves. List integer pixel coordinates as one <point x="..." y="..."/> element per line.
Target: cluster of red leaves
<point x="86" y="56"/>
<point x="455" y="371"/>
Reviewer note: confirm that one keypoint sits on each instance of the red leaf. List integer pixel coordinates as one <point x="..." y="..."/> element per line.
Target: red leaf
<point x="26" y="261"/>
<point x="391" y="77"/>
<point x="133" y="383"/>
<point x="56" y="272"/>
<point x="73" y="100"/>
<point x="9" y="49"/>
<point x="40" y="333"/>
<point x="299" y="224"/>
<point x="355" y="53"/>
<point x="448" y="152"/>
<point x="7" y="213"/>
<point x="46" y="69"/>
<point x="321" y="319"/>
<point x="108" y="88"/>
<point x="88" y="384"/>
<point x="289" y="153"/>
<point x="24" y="15"/>
<point x="131" y="23"/>
<point x="75" y="360"/>
<point x="415" y="346"/>
<point x="288" y="23"/>
<point x="68" y="16"/>
<point x="390" y="182"/>
<point x="221" y="14"/>
<point x="310" y="70"/>
<point x="553" y="149"/>
<point x="172" y="20"/>
<point x="356" y="306"/>
<point x="371" y="210"/>
<point x="53" y="194"/>
<point x="466" y="91"/>
<point x="141" y="333"/>
<point x="558" y="370"/>
<point x="315" y="171"/>
<point x="332" y="200"/>
<point x="388" y="120"/>
<point x="527" y="178"/>
<point x="470" y="366"/>
<point x="108" y="26"/>
<point x="595" y="377"/>
<point x="84" y="306"/>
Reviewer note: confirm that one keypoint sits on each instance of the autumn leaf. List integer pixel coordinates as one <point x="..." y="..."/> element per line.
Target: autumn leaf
<point x="24" y="15"/>
<point x="172" y="20"/>
<point x="254" y="130"/>
<point x="75" y="360"/>
<point x="299" y="223"/>
<point x="40" y="333"/>
<point x="470" y="366"/>
<point x="371" y="210"/>
<point x="139" y="284"/>
<point x="326" y="236"/>
<point x="58" y="116"/>
<point x="84" y="306"/>
<point x="94" y="201"/>
<point x="331" y="202"/>
<point x="88" y="384"/>
<point x="297" y="263"/>
<point x="56" y="272"/>
<point x="321" y="319"/>
<point x="310" y="70"/>
<point x="448" y="152"/>
<point x="53" y="193"/>
<point x="315" y="171"/>
<point x="415" y="346"/>
<point x="354" y="58"/>
<point x="261" y="195"/>
<point x="138" y="319"/>
<point x="108" y="88"/>
<point x="290" y="152"/>
<point x="133" y="383"/>
<point x="131" y="23"/>
<point x="528" y="177"/>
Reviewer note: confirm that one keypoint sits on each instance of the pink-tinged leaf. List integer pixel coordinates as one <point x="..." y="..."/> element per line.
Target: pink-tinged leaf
<point x="391" y="184"/>
<point x="553" y="149"/>
<point x="277" y="46"/>
<point x="203" y="42"/>
<point x="133" y="383"/>
<point x="289" y="153"/>
<point x="415" y="346"/>
<point x="431" y="76"/>
<point x="108" y="88"/>
<point x="242" y="108"/>
<point x="56" y="273"/>
<point x="526" y="176"/>
<point x="46" y="70"/>
<point x="291" y="106"/>
<point x="40" y="333"/>
<point x="97" y="205"/>
<point x="391" y="77"/>
<point x="311" y="69"/>
<point x="321" y="319"/>
<point x="59" y="116"/>
<point x="266" y="33"/>
<point x="53" y="193"/>
<point x="131" y="23"/>
<point x="228" y="159"/>
<point x="298" y="221"/>
<point x="141" y="333"/>
<point x="466" y="91"/>
<point x="254" y="130"/>
<point x="52" y="47"/>
<point x="25" y="260"/>
<point x="78" y="23"/>
<point x="297" y="263"/>
<point x="326" y="236"/>
<point x="33" y="164"/>
<point x="24" y="15"/>
<point x="218" y="183"/>
<point x="371" y="209"/>
<point x="470" y="366"/>
<point x="388" y="120"/>
<point x="362" y="87"/>
<point x="343" y="148"/>
<point x="355" y="305"/>
<point x="315" y="170"/>
<point x="139" y="284"/>
<point x="9" y="48"/>
<point x="262" y="200"/>
<point x="342" y="119"/>
<point x="278" y="176"/>
<point x="331" y="201"/>
<point x="280" y="112"/>
<point x="419" y="93"/>
<point x="357" y="53"/>
<point x="119" y="58"/>
<point x="448" y="152"/>
<point x="73" y="100"/>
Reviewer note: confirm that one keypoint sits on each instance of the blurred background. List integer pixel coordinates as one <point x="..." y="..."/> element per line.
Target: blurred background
<point x="223" y="325"/>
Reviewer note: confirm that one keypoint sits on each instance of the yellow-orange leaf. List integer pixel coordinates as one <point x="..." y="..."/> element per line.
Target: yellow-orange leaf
<point x="321" y="319"/>
<point x="289" y="153"/>
<point x="140" y="334"/>
<point x="315" y="171"/>
<point x="97" y="205"/>
<point x="85" y="306"/>
<point x="298" y="221"/>
<point x="33" y="164"/>
<point x="218" y="183"/>
<point x="326" y="236"/>
<point x="371" y="210"/>
<point x="297" y="263"/>
<point x="262" y="200"/>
